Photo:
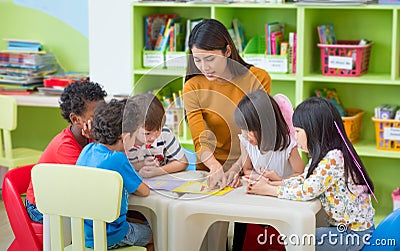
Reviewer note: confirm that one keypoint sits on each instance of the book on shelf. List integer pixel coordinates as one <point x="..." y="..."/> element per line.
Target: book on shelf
<point x="292" y="51"/>
<point x="239" y="34"/>
<point x="157" y="46"/>
<point x="269" y="29"/>
<point x="284" y="48"/>
<point x="326" y="34"/>
<point x="178" y="37"/>
<point x="166" y="34"/>
<point x="190" y="24"/>
<point x="23" y="45"/>
<point x="233" y="36"/>
<point x="152" y="27"/>
<point x="276" y="38"/>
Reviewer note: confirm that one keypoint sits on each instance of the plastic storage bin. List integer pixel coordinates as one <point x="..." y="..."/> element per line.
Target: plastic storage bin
<point x="352" y="124"/>
<point x="387" y="133"/>
<point x="346" y="58"/>
<point x="176" y="59"/>
<point x="153" y="59"/>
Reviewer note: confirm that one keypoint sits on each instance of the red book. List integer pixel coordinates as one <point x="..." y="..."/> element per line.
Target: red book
<point x="276" y="38"/>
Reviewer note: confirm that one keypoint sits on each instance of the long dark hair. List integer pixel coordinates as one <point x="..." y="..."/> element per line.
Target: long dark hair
<point x="258" y="112"/>
<point x="211" y="34"/>
<point x="316" y="116"/>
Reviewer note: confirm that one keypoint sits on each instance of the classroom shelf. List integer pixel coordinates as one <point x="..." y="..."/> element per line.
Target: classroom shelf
<point x="378" y="23"/>
<point x="368" y="149"/>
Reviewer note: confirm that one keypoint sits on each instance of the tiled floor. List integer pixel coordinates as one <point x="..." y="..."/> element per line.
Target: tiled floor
<point x="6" y="234"/>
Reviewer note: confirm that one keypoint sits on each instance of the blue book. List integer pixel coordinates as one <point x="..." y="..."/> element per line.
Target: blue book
<point x="24" y="44"/>
<point x="20" y="48"/>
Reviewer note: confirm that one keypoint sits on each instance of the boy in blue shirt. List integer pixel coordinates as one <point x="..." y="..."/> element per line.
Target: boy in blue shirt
<point x="114" y="128"/>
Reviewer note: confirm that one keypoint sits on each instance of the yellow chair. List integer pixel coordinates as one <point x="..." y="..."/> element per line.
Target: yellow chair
<point x="79" y="193"/>
<point x="10" y="157"/>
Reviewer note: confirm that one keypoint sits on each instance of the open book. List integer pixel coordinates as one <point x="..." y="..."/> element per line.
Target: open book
<point x="179" y="185"/>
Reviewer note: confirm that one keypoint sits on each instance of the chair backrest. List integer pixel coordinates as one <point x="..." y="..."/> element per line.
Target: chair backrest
<point x="8" y="123"/>
<point x="387" y="232"/>
<point x="27" y="233"/>
<point x="191" y="157"/>
<point x="80" y="193"/>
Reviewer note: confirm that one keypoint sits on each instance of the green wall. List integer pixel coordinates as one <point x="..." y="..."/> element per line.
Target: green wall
<point x="38" y="125"/>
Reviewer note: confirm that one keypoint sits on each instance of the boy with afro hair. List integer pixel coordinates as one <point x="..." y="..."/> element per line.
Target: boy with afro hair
<point x="77" y="103"/>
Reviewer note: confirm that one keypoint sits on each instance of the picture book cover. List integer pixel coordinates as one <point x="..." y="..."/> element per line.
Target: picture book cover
<point x="326" y="33"/>
<point x="152" y="27"/>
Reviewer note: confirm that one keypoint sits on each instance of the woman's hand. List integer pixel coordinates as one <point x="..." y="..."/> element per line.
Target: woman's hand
<point x="233" y="178"/>
<point x="216" y="179"/>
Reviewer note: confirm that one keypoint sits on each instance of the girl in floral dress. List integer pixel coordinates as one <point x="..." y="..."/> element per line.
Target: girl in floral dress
<point x="334" y="174"/>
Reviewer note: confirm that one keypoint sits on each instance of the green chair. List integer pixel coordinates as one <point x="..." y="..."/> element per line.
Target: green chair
<point x="79" y="193"/>
<point x="12" y="157"/>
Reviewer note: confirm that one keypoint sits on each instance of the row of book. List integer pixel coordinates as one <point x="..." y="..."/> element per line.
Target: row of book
<point x="23" y="72"/>
<point x="278" y="43"/>
<point x="387" y="111"/>
<point x="23" y="66"/>
<point x="171" y="32"/>
<point x="163" y="31"/>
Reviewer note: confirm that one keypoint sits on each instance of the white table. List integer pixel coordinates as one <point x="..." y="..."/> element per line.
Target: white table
<point x="155" y="207"/>
<point x="191" y="216"/>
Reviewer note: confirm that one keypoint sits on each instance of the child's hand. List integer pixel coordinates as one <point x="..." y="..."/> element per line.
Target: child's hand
<point x="151" y="161"/>
<point x="151" y="171"/>
<point x="276" y="183"/>
<point x="87" y="129"/>
<point x="261" y="187"/>
<point x="271" y="175"/>
<point x="254" y="176"/>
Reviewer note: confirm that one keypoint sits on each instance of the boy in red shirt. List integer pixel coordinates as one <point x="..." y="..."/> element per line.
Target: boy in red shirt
<point x="77" y="104"/>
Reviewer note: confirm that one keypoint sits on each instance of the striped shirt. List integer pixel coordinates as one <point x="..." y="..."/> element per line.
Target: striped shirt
<point x="165" y="148"/>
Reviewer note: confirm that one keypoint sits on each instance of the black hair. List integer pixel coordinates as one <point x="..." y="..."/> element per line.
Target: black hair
<point x="76" y="96"/>
<point x="211" y="34"/>
<point x="107" y="121"/>
<point x="316" y="116"/>
<point x="258" y="112"/>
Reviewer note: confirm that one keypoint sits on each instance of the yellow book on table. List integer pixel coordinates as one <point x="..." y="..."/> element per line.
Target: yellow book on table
<point x="200" y="188"/>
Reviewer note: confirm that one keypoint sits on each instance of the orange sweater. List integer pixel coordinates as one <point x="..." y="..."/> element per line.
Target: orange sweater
<point x="210" y="105"/>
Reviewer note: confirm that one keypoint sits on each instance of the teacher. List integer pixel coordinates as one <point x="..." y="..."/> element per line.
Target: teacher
<point x="216" y="79"/>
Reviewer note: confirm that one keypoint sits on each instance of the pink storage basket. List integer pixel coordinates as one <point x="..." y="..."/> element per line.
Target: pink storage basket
<point x="346" y="58"/>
